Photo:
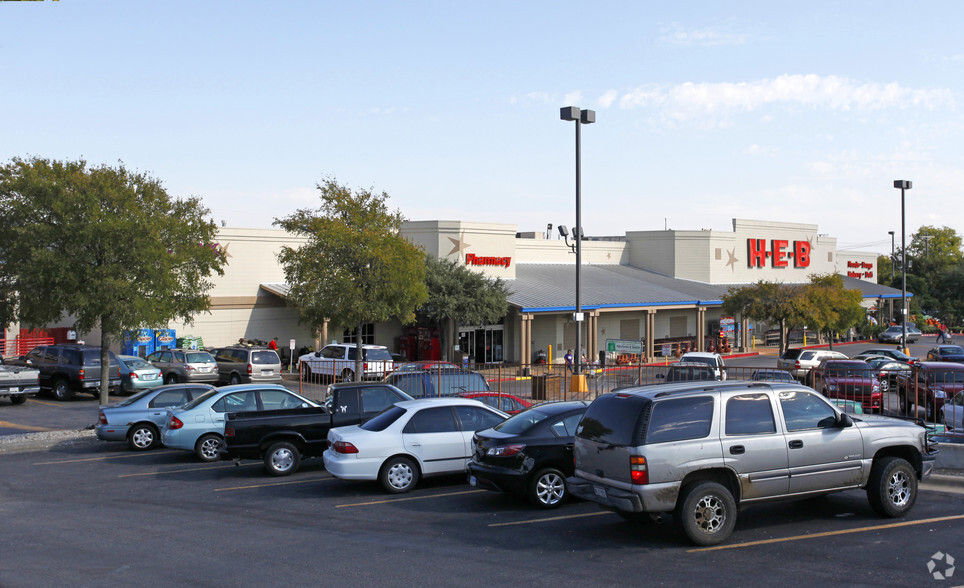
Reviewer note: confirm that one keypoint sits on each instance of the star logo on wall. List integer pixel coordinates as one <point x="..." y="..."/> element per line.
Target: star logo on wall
<point x="459" y="245"/>
<point x="731" y="263"/>
<point x="223" y="249"/>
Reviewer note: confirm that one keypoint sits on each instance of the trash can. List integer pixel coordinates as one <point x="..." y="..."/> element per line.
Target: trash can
<point x="539" y="387"/>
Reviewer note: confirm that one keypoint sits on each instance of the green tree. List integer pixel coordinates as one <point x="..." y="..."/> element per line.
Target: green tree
<point x="460" y="296"/>
<point x="104" y="245"/>
<point x="766" y="301"/>
<point x="355" y="266"/>
<point x="825" y="305"/>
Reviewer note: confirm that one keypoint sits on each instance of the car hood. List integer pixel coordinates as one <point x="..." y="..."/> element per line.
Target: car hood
<point x="868" y="421"/>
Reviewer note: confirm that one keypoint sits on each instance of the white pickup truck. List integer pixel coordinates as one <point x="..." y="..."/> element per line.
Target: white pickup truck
<point x="18" y="382"/>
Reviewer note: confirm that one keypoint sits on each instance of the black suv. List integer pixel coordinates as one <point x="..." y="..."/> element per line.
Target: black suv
<point x="69" y="368"/>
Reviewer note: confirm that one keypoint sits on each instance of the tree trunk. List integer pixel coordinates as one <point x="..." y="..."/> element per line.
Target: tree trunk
<point x="359" y="359"/>
<point x="783" y="336"/>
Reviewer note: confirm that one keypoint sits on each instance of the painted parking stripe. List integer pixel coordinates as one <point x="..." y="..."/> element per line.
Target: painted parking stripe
<point x="829" y="534"/>
<point x="106" y="457"/>
<point x="409" y="498"/>
<point x="289" y="482"/>
<point x="34" y="400"/>
<point x="197" y="469"/>
<point x="9" y="425"/>
<point x="549" y="519"/>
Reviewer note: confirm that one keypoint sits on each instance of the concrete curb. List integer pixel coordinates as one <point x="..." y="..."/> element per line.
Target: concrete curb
<point x="25" y="442"/>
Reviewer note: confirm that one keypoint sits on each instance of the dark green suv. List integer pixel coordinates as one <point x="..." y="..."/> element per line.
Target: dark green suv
<point x="69" y="368"/>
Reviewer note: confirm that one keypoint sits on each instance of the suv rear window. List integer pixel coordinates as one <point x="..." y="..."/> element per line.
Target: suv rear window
<point x="679" y="419"/>
<point x="792" y="353"/>
<point x="265" y="357"/>
<point x="614" y="418"/>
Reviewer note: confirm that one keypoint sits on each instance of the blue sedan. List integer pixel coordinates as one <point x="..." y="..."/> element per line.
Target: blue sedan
<point x="198" y="426"/>
<point x="138" y="420"/>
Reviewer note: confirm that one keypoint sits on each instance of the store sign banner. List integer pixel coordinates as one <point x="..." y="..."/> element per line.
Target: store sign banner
<point x="624" y="346"/>
<point x="865" y="270"/>
<point x="778" y="251"/>
<point x="473" y="259"/>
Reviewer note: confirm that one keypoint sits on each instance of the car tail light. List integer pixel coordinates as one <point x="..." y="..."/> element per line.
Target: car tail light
<point x="175" y="423"/>
<point x="250" y="369"/>
<point x="638" y="470"/>
<point x="229" y="431"/>
<point x="506" y="450"/>
<point x="133" y="376"/>
<point x="80" y="374"/>
<point x="796" y="365"/>
<point x="101" y="418"/>
<point x="344" y="447"/>
<point x="365" y="367"/>
<point x="188" y="368"/>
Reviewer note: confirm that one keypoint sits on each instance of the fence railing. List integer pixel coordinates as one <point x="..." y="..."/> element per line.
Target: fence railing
<point x="936" y="397"/>
<point x="21" y="345"/>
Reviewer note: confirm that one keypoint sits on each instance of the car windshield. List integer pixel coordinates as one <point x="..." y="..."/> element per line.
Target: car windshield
<point x="200" y="399"/>
<point x="522" y="422"/>
<point x="199" y="357"/>
<point x="384" y="419"/>
<point x="377" y="354"/>
<point x="952" y="350"/>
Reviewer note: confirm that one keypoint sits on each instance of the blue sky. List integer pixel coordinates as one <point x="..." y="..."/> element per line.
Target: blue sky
<point x="706" y="111"/>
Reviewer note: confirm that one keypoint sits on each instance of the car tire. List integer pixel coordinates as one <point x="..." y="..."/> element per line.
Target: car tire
<point x="940" y="417"/>
<point x="142" y="437"/>
<point x="235" y="379"/>
<point x="18" y="399"/>
<point x="929" y="410"/>
<point x="885" y="385"/>
<point x="399" y="475"/>
<point x="892" y="489"/>
<point x="547" y="488"/>
<point x="706" y="513"/>
<point x="170" y="379"/>
<point x="902" y="403"/>
<point x="62" y="389"/>
<point x="282" y="459"/>
<point x="207" y="447"/>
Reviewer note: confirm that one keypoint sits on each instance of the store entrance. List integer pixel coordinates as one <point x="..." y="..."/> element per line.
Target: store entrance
<point x="482" y="344"/>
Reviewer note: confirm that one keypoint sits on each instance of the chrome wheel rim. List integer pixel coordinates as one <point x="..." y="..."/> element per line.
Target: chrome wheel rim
<point x="710" y="514"/>
<point x="898" y="489"/>
<point x="143" y="438"/>
<point x="550" y="489"/>
<point x="282" y="459"/>
<point x="209" y="448"/>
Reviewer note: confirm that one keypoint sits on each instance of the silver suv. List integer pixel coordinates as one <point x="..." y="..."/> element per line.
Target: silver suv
<point x="185" y="365"/>
<point x="337" y="361"/>
<point x="244" y="365"/>
<point x="703" y="450"/>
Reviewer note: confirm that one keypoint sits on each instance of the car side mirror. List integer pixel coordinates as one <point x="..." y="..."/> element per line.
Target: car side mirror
<point x="317" y="354"/>
<point x="844" y="421"/>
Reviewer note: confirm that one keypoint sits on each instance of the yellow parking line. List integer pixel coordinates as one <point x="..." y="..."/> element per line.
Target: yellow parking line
<point x="198" y="469"/>
<point x="132" y="454"/>
<point x="275" y="484"/>
<point x="9" y="425"/>
<point x="829" y="534"/>
<point x="409" y="498"/>
<point x="61" y="404"/>
<point x="546" y="520"/>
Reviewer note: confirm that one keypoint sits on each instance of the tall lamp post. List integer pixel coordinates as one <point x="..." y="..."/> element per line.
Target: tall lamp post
<point x="903" y="185"/>
<point x="580" y="117"/>
<point x="892" y="260"/>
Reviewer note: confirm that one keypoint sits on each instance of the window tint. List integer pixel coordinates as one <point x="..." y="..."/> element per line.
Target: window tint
<point x="476" y="418"/>
<point x="750" y="414"/>
<point x="237" y="402"/>
<point x="377" y="399"/>
<point x="264" y="357"/>
<point x="137" y="364"/>
<point x="439" y="419"/>
<point x="802" y="410"/>
<point x="199" y="357"/>
<point x="521" y="422"/>
<point x="333" y="352"/>
<point x="278" y="399"/>
<point x="170" y="398"/>
<point x="806" y="355"/>
<point x="199" y="399"/>
<point x="453" y="384"/>
<point x="614" y="418"/>
<point x="410" y="384"/>
<point x="377" y="354"/>
<point x="71" y="357"/>
<point x="679" y="419"/>
<point x="384" y="419"/>
<point x="571" y="422"/>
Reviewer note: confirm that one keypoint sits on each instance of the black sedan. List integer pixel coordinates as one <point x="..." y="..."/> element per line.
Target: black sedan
<point x="529" y="454"/>
<point x="946" y="353"/>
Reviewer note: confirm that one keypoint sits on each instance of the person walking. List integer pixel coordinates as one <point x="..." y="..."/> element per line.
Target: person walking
<point x="942" y="333"/>
<point x="568" y="358"/>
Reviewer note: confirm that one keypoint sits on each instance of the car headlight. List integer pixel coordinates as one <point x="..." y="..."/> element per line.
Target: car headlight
<point x="940" y="394"/>
<point x="833" y="387"/>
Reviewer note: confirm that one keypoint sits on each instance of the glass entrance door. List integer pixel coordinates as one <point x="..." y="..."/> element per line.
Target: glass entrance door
<point x="483" y="344"/>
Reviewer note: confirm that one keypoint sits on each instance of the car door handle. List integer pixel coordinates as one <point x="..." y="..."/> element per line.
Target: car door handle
<point x="416" y="444"/>
<point x="797" y="444"/>
<point x="737" y="450"/>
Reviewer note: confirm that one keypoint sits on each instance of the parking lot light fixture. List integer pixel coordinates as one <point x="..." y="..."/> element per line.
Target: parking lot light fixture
<point x="903" y="186"/>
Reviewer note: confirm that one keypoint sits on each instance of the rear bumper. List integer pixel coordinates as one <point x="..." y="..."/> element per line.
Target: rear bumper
<point x="497" y="479"/>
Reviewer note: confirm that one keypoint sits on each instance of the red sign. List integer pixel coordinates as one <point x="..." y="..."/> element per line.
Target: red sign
<point x="779" y="253"/>
<point x="861" y="265"/>
<point x="472" y="259"/>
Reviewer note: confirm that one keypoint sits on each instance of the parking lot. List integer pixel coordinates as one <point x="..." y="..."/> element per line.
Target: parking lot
<point x="98" y="514"/>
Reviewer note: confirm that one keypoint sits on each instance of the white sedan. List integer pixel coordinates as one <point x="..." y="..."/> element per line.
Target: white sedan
<point x="413" y="438"/>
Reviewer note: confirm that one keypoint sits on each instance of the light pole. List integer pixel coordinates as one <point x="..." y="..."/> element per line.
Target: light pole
<point x="927" y="245"/>
<point x="903" y="185"/>
<point x="892" y="260"/>
<point x="580" y="117"/>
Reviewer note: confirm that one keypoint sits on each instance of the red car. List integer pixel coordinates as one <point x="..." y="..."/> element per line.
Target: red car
<point x="505" y="402"/>
<point x="850" y="379"/>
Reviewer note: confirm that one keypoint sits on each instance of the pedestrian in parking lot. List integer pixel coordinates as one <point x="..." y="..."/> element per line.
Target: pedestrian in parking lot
<point x="273" y="344"/>
<point x="568" y="358"/>
<point x="942" y="334"/>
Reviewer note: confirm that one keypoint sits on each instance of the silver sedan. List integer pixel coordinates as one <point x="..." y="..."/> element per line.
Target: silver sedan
<point x="139" y="419"/>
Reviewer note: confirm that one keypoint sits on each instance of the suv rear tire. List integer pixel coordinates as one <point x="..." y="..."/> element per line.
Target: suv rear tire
<point x="706" y="513"/>
<point x="62" y="389"/>
<point x="892" y="489"/>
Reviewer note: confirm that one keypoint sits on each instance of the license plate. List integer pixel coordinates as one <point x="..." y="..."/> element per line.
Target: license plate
<point x="150" y="377"/>
<point x="601" y="492"/>
<point x="472" y="481"/>
<point x="267" y="372"/>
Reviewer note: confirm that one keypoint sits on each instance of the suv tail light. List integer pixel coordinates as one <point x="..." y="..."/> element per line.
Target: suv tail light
<point x="101" y="419"/>
<point x="229" y="431"/>
<point x="80" y="374"/>
<point x="344" y="447"/>
<point x="796" y="365"/>
<point x="506" y="450"/>
<point x="638" y="470"/>
<point x="175" y="423"/>
<point x="250" y="369"/>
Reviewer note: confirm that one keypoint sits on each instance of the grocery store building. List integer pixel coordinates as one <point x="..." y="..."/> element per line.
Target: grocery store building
<point x="640" y="291"/>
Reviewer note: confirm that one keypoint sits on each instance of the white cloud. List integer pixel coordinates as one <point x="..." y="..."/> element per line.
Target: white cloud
<point x="691" y="100"/>
<point x="607" y="99"/>
<point x="572" y="98"/>
<point x="707" y="37"/>
<point x="764" y="150"/>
